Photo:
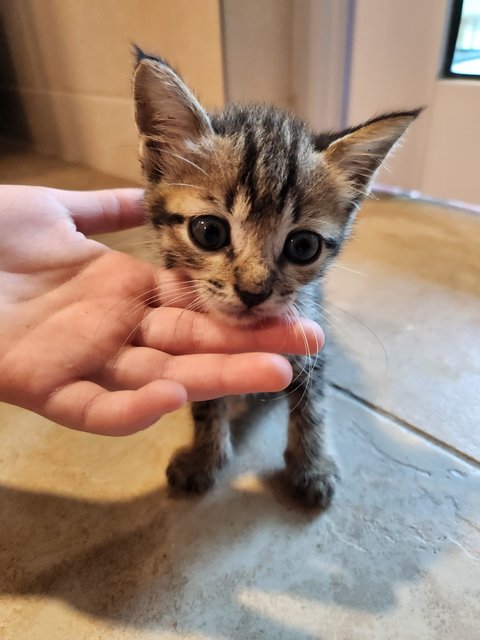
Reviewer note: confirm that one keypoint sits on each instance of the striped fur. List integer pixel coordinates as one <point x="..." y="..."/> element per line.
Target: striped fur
<point x="267" y="175"/>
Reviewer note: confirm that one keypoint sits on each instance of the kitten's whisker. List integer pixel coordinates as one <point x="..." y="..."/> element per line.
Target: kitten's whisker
<point x="292" y="314"/>
<point x="305" y="368"/>
<point x="130" y="335"/>
<point x="219" y="164"/>
<point x="340" y="266"/>
<point x="311" y="188"/>
<point x="127" y="301"/>
<point x="181" y="287"/>
<point x="175" y="280"/>
<point x="197" y="305"/>
<point x="184" y="184"/>
<point x="178" y="298"/>
<point x="190" y="162"/>
<point x="314" y="310"/>
<point x="310" y="376"/>
<point x="156" y="289"/>
<point x="327" y="311"/>
<point x="177" y="295"/>
<point x="144" y="292"/>
<point x="142" y="243"/>
<point x="306" y="194"/>
<point x="135" y="329"/>
<point x="192" y="306"/>
<point x="157" y="296"/>
<point x="154" y="297"/>
<point x="371" y="331"/>
<point x="297" y="313"/>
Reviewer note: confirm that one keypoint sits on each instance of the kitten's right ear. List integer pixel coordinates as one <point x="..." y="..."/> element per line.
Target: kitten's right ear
<point x="166" y="112"/>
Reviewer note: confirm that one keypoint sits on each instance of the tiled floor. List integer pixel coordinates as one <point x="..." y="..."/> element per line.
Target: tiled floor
<point x="91" y="546"/>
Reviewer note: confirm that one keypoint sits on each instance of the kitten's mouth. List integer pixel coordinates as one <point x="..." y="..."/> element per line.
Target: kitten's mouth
<point x="247" y="317"/>
<point x="232" y="313"/>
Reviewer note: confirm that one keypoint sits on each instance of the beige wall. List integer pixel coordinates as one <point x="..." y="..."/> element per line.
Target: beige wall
<point x="395" y="61"/>
<point x="258" y="50"/>
<point x="320" y="29"/>
<point x="70" y="63"/>
<point x="287" y="52"/>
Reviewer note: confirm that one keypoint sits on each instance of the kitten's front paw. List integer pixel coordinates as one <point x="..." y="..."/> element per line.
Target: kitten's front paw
<point x="188" y="471"/>
<point x="313" y="487"/>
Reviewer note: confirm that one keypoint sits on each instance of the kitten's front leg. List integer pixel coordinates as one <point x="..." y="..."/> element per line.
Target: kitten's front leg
<point x="194" y="468"/>
<point x="311" y="472"/>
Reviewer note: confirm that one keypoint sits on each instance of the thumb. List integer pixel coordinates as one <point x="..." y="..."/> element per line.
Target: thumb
<point x="103" y="211"/>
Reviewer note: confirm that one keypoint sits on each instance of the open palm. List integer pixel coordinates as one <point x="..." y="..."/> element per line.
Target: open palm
<point x="85" y="338"/>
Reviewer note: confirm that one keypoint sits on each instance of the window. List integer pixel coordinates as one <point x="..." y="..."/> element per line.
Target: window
<point x="463" y="47"/>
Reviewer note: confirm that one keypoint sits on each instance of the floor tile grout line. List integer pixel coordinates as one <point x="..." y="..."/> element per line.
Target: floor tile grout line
<point x="406" y="425"/>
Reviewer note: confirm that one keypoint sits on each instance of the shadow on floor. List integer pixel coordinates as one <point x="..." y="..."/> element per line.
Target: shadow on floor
<point x="202" y="565"/>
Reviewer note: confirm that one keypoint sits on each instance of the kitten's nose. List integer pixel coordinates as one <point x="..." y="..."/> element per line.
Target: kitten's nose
<point x="250" y="299"/>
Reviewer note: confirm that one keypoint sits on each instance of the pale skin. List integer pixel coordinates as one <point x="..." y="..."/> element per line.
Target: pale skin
<point x="83" y="343"/>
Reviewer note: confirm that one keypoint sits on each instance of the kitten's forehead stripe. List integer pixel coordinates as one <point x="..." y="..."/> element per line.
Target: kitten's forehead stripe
<point x="230" y="198"/>
<point x="246" y="176"/>
<point x="290" y="184"/>
<point x="270" y="146"/>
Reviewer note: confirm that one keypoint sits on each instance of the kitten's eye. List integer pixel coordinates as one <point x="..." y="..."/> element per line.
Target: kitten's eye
<point x="209" y="232"/>
<point x="302" y="247"/>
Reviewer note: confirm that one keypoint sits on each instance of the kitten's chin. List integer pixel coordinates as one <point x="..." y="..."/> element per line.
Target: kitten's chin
<point x="245" y="319"/>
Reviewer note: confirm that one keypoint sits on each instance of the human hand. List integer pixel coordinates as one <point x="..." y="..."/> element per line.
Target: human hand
<point x="82" y="342"/>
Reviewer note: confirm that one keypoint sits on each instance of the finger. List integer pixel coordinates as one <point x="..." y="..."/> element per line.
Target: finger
<point x="103" y="211"/>
<point x="204" y="376"/>
<point x="89" y="407"/>
<point x="179" y="331"/>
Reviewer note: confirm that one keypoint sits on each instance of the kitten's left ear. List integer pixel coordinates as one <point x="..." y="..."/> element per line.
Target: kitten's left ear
<point x="166" y="111"/>
<point x="358" y="152"/>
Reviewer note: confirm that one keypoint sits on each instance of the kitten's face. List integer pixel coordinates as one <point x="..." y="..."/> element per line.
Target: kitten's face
<point x="251" y="215"/>
<point x="249" y="204"/>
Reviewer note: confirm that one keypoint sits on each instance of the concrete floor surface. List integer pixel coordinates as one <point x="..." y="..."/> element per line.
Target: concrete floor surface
<point x="92" y="546"/>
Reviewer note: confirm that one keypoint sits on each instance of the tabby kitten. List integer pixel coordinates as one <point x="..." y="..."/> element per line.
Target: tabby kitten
<point x="253" y="206"/>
